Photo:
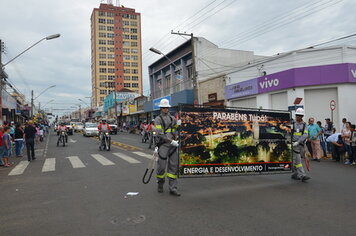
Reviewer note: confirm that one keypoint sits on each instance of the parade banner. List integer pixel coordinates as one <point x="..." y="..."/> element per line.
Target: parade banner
<point x="217" y="141"/>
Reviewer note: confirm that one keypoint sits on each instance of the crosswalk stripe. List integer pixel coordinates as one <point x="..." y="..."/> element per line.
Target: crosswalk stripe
<point x="142" y="154"/>
<point x="76" y="162"/>
<point x="19" y="168"/>
<point x="49" y="165"/>
<point x="104" y="161"/>
<point x="126" y="158"/>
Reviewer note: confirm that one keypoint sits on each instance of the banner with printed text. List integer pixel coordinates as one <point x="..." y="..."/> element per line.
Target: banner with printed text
<point x="218" y="141"/>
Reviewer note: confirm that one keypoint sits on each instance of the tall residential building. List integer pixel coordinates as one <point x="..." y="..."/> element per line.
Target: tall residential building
<point x="116" y="52"/>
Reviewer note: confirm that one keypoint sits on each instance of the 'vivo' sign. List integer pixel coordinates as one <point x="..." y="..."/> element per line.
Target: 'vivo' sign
<point x="269" y="83"/>
<point x="353" y="73"/>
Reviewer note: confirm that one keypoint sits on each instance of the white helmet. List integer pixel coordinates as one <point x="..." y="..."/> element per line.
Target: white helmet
<point x="300" y="112"/>
<point x="164" y="103"/>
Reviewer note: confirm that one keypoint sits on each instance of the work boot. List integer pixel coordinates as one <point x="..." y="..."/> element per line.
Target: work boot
<point x="305" y="178"/>
<point x="295" y="177"/>
<point x="174" y="193"/>
<point x="160" y="188"/>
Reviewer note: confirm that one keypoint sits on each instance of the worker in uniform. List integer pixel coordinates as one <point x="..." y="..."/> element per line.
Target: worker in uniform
<point x="167" y="165"/>
<point x="300" y="134"/>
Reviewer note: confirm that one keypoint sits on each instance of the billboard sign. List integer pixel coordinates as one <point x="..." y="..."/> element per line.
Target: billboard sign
<point x="218" y="142"/>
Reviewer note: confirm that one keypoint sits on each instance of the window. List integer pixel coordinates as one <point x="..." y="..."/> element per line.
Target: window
<point x="101" y="13"/>
<point x="126" y="57"/>
<point x="134" y="64"/>
<point x="125" y="22"/>
<point x="126" y="16"/>
<point x="102" y="63"/>
<point x="111" y="70"/>
<point x="101" y="20"/>
<point x="135" y="78"/>
<point x="111" y="63"/>
<point x="134" y="50"/>
<point x="134" y="17"/>
<point x="110" y="28"/>
<point x="111" y="49"/>
<point x="133" y="37"/>
<point x="133" y="23"/>
<point x="133" y="44"/>
<point x="135" y="58"/>
<point x="133" y="30"/>
<point x="102" y="42"/>
<point x="101" y="99"/>
<point x="126" y="36"/>
<point x="190" y="71"/>
<point x="127" y="85"/>
<point x="111" y="56"/>
<point x="127" y="64"/>
<point x="110" y="35"/>
<point x="126" y="50"/>
<point x="127" y="71"/>
<point x="102" y="27"/>
<point x="111" y="77"/>
<point x="110" y="14"/>
<point x="135" y="85"/>
<point x="127" y="77"/>
<point x="134" y="71"/>
<point x="126" y="30"/>
<point x="102" y="56"/>
<point x="111" y="42"/>
<point x="102" y="35"/>
<point x="102" y="49"/>
<point x="110" y="21"/>
<point x="126" y="43"/>
<point x="102" y="77"/>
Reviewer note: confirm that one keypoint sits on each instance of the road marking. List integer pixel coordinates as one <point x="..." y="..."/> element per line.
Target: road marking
<point x="20" y="168"/>
<point x="126" y="158"/>
<point x="76" y="162"/>
<point x="72" y="140"/>
<point x="142" y="154"/>
<point x="104" y="161"/>
<point x="49" y="165"/>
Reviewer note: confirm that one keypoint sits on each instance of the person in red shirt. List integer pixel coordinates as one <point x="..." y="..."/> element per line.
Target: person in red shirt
<point x="103" y="127"/>
<point x="149" y="130"/>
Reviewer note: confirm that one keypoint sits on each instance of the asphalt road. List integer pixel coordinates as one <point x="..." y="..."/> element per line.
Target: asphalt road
<point x="92" y="198"/>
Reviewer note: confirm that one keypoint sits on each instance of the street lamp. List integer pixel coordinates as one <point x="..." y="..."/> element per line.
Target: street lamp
<point x="52" y="100"/>
<point x="53" y="36"/>
<point x="161" y="53"/>
<point x="32" y="99"/>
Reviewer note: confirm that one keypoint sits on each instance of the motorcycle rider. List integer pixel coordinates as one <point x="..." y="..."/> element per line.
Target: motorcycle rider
<point x="165" y="126"/>
<point x="149" y="130"/>
<point x="64" y="128"/>
<point x="300" y="133"/>
<point x="103" y="127"/>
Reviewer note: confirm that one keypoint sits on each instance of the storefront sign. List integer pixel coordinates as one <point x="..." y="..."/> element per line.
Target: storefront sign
<point x="297" y="77"/>
<point x="227" y="141"/>
<point x="212" y="97"/>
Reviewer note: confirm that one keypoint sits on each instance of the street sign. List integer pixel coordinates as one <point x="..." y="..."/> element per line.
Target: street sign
<point x="332" y="105"/>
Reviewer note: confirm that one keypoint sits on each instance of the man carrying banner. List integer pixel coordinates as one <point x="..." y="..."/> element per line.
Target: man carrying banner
<point x="300" y="133"/>
<point x="165" y="126"/>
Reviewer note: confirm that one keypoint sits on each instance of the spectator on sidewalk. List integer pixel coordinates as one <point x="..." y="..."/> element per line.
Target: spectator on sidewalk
<point x="6" y="140"/>
<point x="329" y="130"/>
<point x="1" y="146"/>
<point x="19" y="140"/>
<point x="346" y="136"/>
<point x="353" y="145"/>
<point x="322" y="139"/>
<point x="337" y="145"/>
<point x="313" y="135"/>
<point x="308" y="142"/>
<point x="29" y="136"/>
<point x="343" y="125"/>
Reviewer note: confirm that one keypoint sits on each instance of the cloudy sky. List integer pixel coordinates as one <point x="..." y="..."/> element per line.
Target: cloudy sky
<point x="265" y="27"/>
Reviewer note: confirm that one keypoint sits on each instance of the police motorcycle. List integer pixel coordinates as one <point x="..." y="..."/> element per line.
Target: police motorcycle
<point x="105" y="141"/>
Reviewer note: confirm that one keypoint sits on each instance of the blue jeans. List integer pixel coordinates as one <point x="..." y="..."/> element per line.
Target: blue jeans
<point x="323" y="146"/>
<point x="18" y="147"/>
<point x="1" y="154"/>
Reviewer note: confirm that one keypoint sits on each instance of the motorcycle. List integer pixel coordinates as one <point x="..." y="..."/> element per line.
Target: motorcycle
<point x="105" y="143"/>
<point x="145" y="136"/>
<point x="62" y="138"/>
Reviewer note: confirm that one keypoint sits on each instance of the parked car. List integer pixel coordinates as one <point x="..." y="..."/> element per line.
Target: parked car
<point x="90" y="129"/>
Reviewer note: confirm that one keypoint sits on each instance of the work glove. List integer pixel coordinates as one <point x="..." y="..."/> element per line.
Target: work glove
<point x="295" y="144"/>
<point x="174" y="143"/>
<point x="156" y="150"/>
<point x="179" y="122"/>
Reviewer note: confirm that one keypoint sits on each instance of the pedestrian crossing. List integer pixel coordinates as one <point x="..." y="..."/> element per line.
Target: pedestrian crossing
<point x="76" y="162"/>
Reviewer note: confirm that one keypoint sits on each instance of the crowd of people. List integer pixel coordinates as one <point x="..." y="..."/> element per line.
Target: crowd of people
<point x="14" y="137"/>
<point x="325" y="141"/>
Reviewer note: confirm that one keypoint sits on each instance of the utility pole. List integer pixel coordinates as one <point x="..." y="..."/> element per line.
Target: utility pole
<point x="80" y="113"/>
<point x="115" y="107"/>
<point x="2" y="76"/>
<point x="31" y="104"/>
<point x="194" y="79"/>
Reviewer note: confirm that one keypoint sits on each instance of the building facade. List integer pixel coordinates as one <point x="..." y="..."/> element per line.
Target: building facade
<point x="116" y="50"/>
<point x="318" y="76"/>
